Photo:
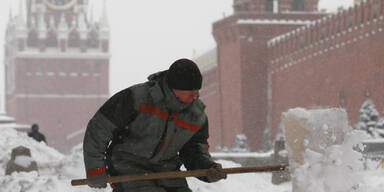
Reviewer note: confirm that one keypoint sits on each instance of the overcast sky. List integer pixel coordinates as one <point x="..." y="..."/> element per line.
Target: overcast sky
<point x="148" y="35"/>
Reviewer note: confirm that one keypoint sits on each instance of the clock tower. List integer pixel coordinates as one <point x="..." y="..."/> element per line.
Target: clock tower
<point x="56" y="67"/>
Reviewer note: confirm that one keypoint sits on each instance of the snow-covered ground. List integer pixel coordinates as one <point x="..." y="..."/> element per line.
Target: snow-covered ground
<point x="56" y="171"/>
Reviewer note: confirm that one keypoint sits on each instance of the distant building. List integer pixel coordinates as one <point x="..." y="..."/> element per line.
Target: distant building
<point x="56" y="67"/>
<point x="276" y="55"/>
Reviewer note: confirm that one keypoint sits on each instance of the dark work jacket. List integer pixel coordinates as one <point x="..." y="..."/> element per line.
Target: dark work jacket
<point x="159" y="133"/>
<point x="37" y="136"/>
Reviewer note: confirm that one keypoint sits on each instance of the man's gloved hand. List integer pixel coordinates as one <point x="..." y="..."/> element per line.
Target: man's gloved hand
<point x="97" y="181"/>
<point x="215" y="173"/>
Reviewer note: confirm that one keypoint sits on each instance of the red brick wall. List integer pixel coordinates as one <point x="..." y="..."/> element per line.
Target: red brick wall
<point x="58" y="118"/>
<point x="242" y="72"/>
<point x="61" y="103"/>
<point x="229" y="76"/>
<point x="344" y="65"/>
<point x="209" y="94"/>
<point x="81" y="76"/>
<point x="325" y="64"/>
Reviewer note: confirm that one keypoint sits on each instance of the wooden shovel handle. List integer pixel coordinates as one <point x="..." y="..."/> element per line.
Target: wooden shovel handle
<point x="183" y="174"/>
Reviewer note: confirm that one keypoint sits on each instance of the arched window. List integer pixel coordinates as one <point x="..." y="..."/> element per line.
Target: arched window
<point x="268" y="5"/>
<point x="375" y="10"/>
<point x="32" y="40"/>
<point x="298" y="5"/>
<point x="52" y="39"/>
<point x="73" y="39"/>
<point x="93" y="39"/>
<point x="350" y="20"/>
<point x="362" y="14"/>
<point x="301" y="42"/>
<point x="323" y="32"/>
<point x="84" y="69"/>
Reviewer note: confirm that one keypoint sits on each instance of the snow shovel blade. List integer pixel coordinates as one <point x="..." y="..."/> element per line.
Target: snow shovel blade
<point x="183" y="174"/>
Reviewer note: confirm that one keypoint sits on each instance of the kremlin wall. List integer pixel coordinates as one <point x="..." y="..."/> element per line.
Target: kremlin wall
<point x="271" y="60"/>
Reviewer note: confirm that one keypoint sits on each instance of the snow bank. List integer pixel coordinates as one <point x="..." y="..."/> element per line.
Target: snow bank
<point x="239" y="182"/>
<point x="44" y="155"/>
<point x="57" y="170"/>
<point x="337" y="169"/>
<point x="328" y="162"/>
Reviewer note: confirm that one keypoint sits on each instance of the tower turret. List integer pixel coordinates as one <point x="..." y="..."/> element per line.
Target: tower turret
<point x="104" y="29"/>
<point x="62" y="31"/>
<point x="54" y="64"/>
<point x="21" y="30"/>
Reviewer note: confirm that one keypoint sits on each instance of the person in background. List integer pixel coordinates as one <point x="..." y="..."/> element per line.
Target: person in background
<point x="35" y="134"/>
<point x="156" y="126"/>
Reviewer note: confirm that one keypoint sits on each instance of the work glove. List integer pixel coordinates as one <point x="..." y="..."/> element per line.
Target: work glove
<point x="215" y="173"/>
<point x="97" y="181"/>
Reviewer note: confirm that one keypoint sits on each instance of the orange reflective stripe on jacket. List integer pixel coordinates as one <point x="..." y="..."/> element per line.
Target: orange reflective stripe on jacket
<point x="186" y="125"/>
<point x="97" y="171"/>
<point x="154" y="110"/>
<point x="165" y="115"/>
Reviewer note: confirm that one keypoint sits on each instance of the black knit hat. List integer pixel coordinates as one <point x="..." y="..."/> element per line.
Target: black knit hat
<point x="184" y="74"/>
<point x="35" y="127"/>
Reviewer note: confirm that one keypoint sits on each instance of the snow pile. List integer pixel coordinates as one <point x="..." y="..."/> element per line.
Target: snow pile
<point x="57" y="170"/>
<point x="337" y="169"/>
<point x="329" y="161"/>
<point x="239" y="182"/>
<point x="23" y="161"/>
<point x="45" y="156"/>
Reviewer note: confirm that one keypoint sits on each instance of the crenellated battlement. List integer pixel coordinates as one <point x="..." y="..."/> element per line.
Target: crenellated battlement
<point x="326" y="34"/>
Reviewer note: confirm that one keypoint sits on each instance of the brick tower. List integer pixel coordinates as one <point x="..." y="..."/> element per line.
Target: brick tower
<point x="242" y="62"/>
<point x="56" y="67"/>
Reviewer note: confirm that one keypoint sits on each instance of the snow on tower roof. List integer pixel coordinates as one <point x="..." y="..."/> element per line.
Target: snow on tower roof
<point x="274" y="21"/>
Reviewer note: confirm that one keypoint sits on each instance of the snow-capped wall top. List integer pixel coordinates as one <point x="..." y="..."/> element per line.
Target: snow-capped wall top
<point x="273" y="21"/>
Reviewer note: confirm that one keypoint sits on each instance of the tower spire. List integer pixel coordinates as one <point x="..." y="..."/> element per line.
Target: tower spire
<point x="62" y="23"/>
<point x="41" y="25"/>
<point x="104" y="24"/>
<point x="104" y="17"/>
<point x="82" y="25"/>
<point x="20" y="16"/>
<point x="91" y="18"/>
<point x="10" y="14"/>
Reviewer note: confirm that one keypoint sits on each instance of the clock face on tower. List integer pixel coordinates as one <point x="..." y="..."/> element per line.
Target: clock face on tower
<point x="60" y="4"/>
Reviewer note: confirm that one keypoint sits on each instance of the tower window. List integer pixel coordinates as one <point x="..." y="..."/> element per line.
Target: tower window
<point x="73" y="39"/>
<point x="32" y="40"/>
<point x="250" y="33"/>
<point x="62" y="69"/>
<point x="322" y="33"/>
<point x="93" y="39"/>
<point x="52" y="39"/>
<point x="84" y="69"/>
<point x="39" y="69"/>
<point x="268" y="5"/>
<point x="298" y="5"/>
<point x="301" y="42"/>
<point x="375" y="11"/>
<point x="350" y="20"/>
